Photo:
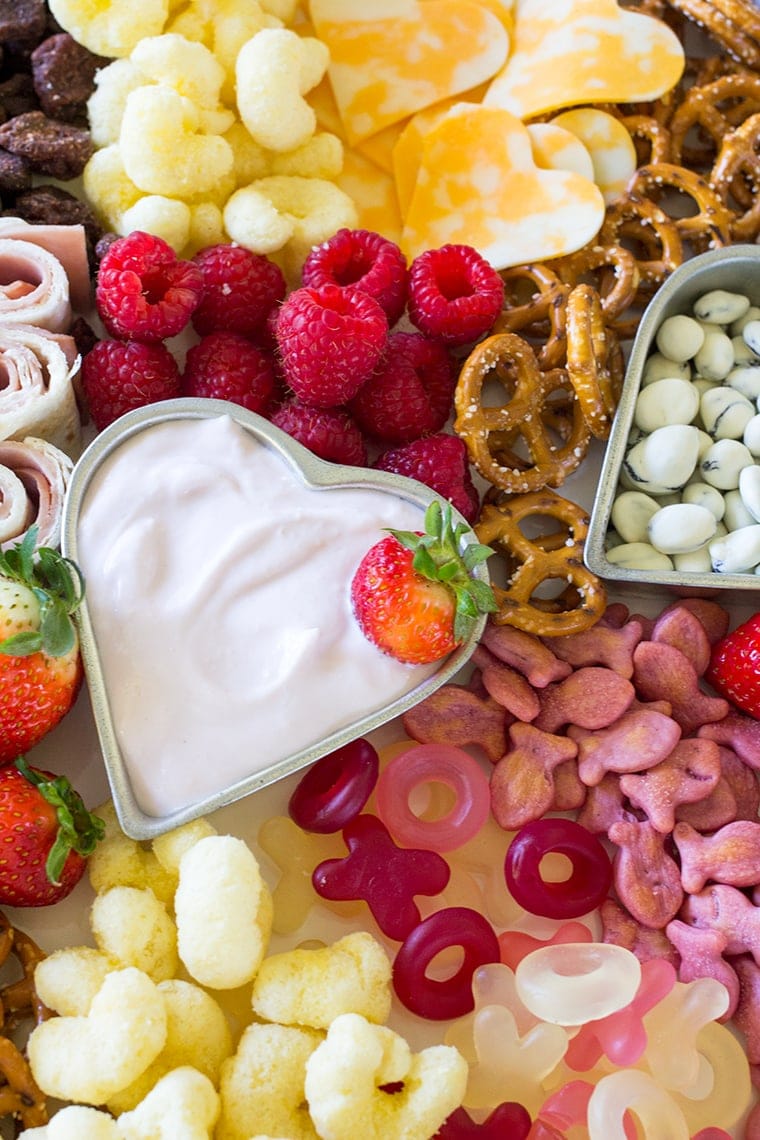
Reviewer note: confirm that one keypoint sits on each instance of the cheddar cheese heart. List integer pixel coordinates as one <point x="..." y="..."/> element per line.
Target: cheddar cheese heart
<point x="478" y="185"/>
<point x="608" y="142"/>
<point x="390" y="58"/>
<point x="567" y="52"/>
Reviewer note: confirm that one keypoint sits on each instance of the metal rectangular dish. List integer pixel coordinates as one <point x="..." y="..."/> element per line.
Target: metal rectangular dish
<point x="735" y="269"/>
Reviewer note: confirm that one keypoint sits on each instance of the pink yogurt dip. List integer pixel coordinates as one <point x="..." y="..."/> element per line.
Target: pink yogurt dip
<point x="218" y="588"/>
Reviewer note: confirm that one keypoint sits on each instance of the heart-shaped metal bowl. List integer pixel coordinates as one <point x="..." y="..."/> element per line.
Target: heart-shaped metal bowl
<point x="314" y="473"/>
<point x="735" y="269"/>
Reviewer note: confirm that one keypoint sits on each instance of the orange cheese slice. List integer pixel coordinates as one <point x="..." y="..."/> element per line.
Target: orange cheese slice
<point x="374" y="194"/>
<point x="555" y="148"/>
<point x="391" y="58"/>
<point x="478" y="185"/>
<point x="608" y="142"/>
<point x="567" y="52"/>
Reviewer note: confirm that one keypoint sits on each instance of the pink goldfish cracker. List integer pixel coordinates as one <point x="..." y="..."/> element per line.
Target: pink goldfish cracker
<point x="731" y="855"/>
<point x="646" y="877"/>
<point x="522" y="783"/>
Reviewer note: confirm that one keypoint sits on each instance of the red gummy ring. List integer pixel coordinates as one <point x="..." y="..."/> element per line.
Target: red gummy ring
<point x="439" y="1000"/>
<point x="590" y="878"/>
<point x="428" y="764"/>
<point x="335" y="789"/>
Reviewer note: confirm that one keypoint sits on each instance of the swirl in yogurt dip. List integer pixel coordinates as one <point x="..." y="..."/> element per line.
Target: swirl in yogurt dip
<point x="218" y="587"/>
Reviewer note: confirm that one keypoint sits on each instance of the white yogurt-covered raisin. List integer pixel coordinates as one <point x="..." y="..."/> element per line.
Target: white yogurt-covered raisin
<point x="659" y="367"/>
<point x="737" y="552"/>
<point x="631" y="513"/>
<point x="749" y="489"/>
<point x="720" y="307"/>
<point x="667" y="401"/>
<point x="736" y="514"/>
<point x="705" y="496"/>
<point x="751" y="334"/>
<point x="725" y="412"/>
<point x="681" y="528"/>
<point x="639" y="556"/>
<point x="715" y="358"/>
<point x="724" y="461"/>
<point x="680" y="338"/>
<point x="664" y="460"/>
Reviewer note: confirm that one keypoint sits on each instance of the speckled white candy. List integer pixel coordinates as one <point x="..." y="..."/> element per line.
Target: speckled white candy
<point x="725" y="412"/>
<point x="667" y="401"/>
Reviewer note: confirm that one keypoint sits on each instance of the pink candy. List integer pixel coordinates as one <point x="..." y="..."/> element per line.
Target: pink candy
<point x="433" y="764"/>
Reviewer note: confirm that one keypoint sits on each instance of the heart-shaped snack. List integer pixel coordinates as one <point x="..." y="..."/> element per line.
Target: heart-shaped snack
<point x="568" y="52"/>
<point x="420" y="53"/>
<point x="218" y="637"/>
<point x="479" y="185"/>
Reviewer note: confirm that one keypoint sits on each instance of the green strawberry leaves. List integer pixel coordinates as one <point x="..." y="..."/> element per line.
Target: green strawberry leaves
<point x="58" y="586"/>
<point x="78" y="829"/>
<point x="441" y="556"/>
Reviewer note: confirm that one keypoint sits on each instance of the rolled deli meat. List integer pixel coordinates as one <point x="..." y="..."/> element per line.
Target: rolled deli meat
<point x="34" y="476"/>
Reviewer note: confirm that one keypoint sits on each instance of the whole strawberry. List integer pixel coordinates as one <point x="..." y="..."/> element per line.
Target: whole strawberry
<point x="40" y="664"/>
<point x="46" y="835"/>
<point x="414" y="596"/>
<point x="734" y="669"/>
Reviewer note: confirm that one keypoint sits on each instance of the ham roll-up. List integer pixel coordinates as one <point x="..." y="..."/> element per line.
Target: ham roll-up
<point x="43" y="274"/>
<point x="34" y="476"/>
<point x="37" y="397"/>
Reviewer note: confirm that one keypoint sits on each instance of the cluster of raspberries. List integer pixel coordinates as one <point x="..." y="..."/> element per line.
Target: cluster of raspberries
<point x="326" y="363"/>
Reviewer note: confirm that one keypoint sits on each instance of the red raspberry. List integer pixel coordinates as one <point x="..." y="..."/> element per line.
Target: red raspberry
<point x="329" y="432"/>
<point x="120" y="376"/>
<point x="226" y="366"/>
<point x="144" y="292"/>
<point x="361" y="259"/>
<point x="441" y="463"/>
<point x="454" y="294"/>
<point x="410" y="393"/>
<point x="329" y="340"/>
<point x="239" y="289"/>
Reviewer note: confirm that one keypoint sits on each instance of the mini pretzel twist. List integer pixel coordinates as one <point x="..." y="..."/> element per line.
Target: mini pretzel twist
<point x="491" y="431"/>
<point x="533" y="563"/>
<point x="655" y="243"/>
<point x="709" y="227"/>
<point x="709" y="111"/>
<point x="734" y="24"/>
<point x="651" y="138"/>
<point x="737" y="169"/>
<point x="594" y="360"/>
<point x="535" y="304"/>
<point x="611" y="269"/>
<point x="20" y="1096"/>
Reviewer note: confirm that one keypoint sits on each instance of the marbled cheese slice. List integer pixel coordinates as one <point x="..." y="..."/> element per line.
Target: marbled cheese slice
<point x="608" y="142"/>
<point x="555" y="148"/>
<point x="567" y="52"/>
<point x="374" y="195"/>
<point x="391" y="58"/>
<point x="478" y="185"/>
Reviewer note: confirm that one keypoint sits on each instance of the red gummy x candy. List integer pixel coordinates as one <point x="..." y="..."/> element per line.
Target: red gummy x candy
<point x="387" y="877"/>
<point x="508" y="1119"/>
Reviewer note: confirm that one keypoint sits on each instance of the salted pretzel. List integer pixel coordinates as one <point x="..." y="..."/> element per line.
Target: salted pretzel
<point x="709" y="227"/>
<point x="651" y="138"/>
<point x="611" y="269"/>
<point x="535" y="303"/>
<point x="509" y="442"/>
<point x="534" y="563"/>
<point x="737" y="167"/>
<point x="707" y="113"/>
<point x="640" y="225"/>
<point x="594" y="360"/>
<point x="734" y="24"/>
<point x="20" y="1096"/>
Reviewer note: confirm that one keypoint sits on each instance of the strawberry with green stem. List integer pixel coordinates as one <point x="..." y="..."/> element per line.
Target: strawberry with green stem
<point x="46" y="836"/>
<point x="414" y="594"/>
<point x="40" y="663"/>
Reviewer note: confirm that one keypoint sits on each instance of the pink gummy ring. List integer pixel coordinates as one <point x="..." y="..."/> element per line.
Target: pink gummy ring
<point x="433" y="764"/>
